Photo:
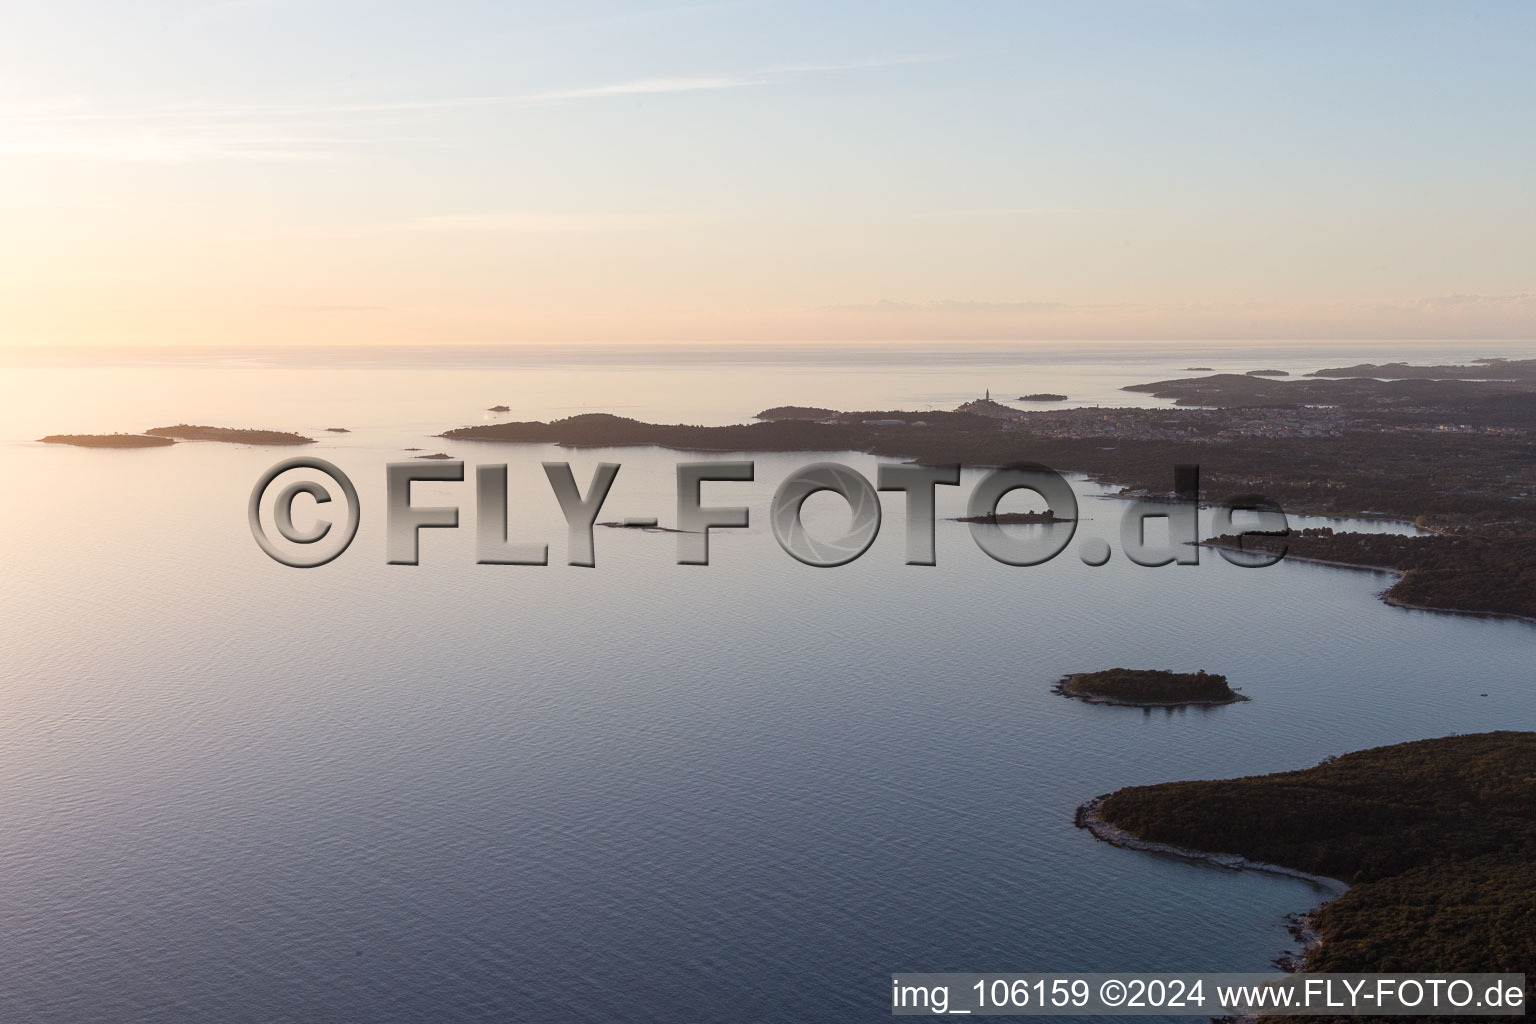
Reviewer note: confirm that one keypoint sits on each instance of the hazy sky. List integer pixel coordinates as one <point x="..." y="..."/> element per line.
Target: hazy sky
<point x="348" y="171"/>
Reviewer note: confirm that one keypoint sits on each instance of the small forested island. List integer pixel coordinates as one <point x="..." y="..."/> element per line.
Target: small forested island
<point x="1267" y="373"/>
<point x="434" y="455"/>
<point x="499" y="408"/>
<point x="1012" y="518"/>
<point x="796" y="412"/>
<point x="1435" y="838"/>
<point x="233" y="435"/>
<point x="1043" y="396"/>
<point x="1197" y="369"/>
<point x="338" y="430"/>
<point x="109" y="440"/>
<point x="1148" y="687"/>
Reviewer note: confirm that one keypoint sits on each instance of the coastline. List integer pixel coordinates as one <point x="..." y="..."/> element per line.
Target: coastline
<point x="1386" y="595"/>
<point x="1090" y="816"/>
<point x="1302" y="510"/>
<point x="1386" y="598"/>
<point x="1302" y="925"/>
<point x="1302" y="558"/>
<point x="1413" y="824"/>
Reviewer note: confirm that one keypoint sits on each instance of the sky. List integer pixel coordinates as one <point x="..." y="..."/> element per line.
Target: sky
<point x="228" y="172"/>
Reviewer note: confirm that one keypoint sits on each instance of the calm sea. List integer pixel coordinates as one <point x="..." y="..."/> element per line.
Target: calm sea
<point x="645" y="792"/>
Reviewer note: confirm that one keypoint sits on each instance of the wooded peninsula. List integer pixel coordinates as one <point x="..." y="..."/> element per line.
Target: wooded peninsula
<point x="1436" y="839"/>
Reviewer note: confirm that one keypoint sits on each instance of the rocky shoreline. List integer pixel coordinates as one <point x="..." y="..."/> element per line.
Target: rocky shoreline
<point x="1090" y="816"/>
<point x="1386" y="598"/>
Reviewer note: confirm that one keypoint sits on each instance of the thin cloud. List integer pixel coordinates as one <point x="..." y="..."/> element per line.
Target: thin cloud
<point x="859" y="65"/>
<point x="649" y="87"/>
<point x="1515" y="301"/>
<point x="184" y="111"/>
<point x="639" y="16"/>
<point x="224" y="7"/>
<point x="329" y="308"/>
<point x="535" y="223"/>
<point x="1017" y="211"/>
<point x="172" y="130"/>
<point x="233" y="6"/>
<point x="960" y="306"/>
<point x="168" y="148"/>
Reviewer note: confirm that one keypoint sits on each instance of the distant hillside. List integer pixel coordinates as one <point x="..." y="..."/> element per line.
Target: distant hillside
<point x="796" y="412"/>
<point x="1481" y="369"/>
<point x="1479" y="402"/>
<point x="604" y="429"/>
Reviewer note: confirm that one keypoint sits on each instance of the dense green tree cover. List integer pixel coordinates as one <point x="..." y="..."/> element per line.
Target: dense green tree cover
<point x="1487" y="568"/>
<point x="1436" y="837"/>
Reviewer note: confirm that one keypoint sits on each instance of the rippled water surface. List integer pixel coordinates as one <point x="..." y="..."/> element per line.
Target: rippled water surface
<point x="650" y="792"/>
